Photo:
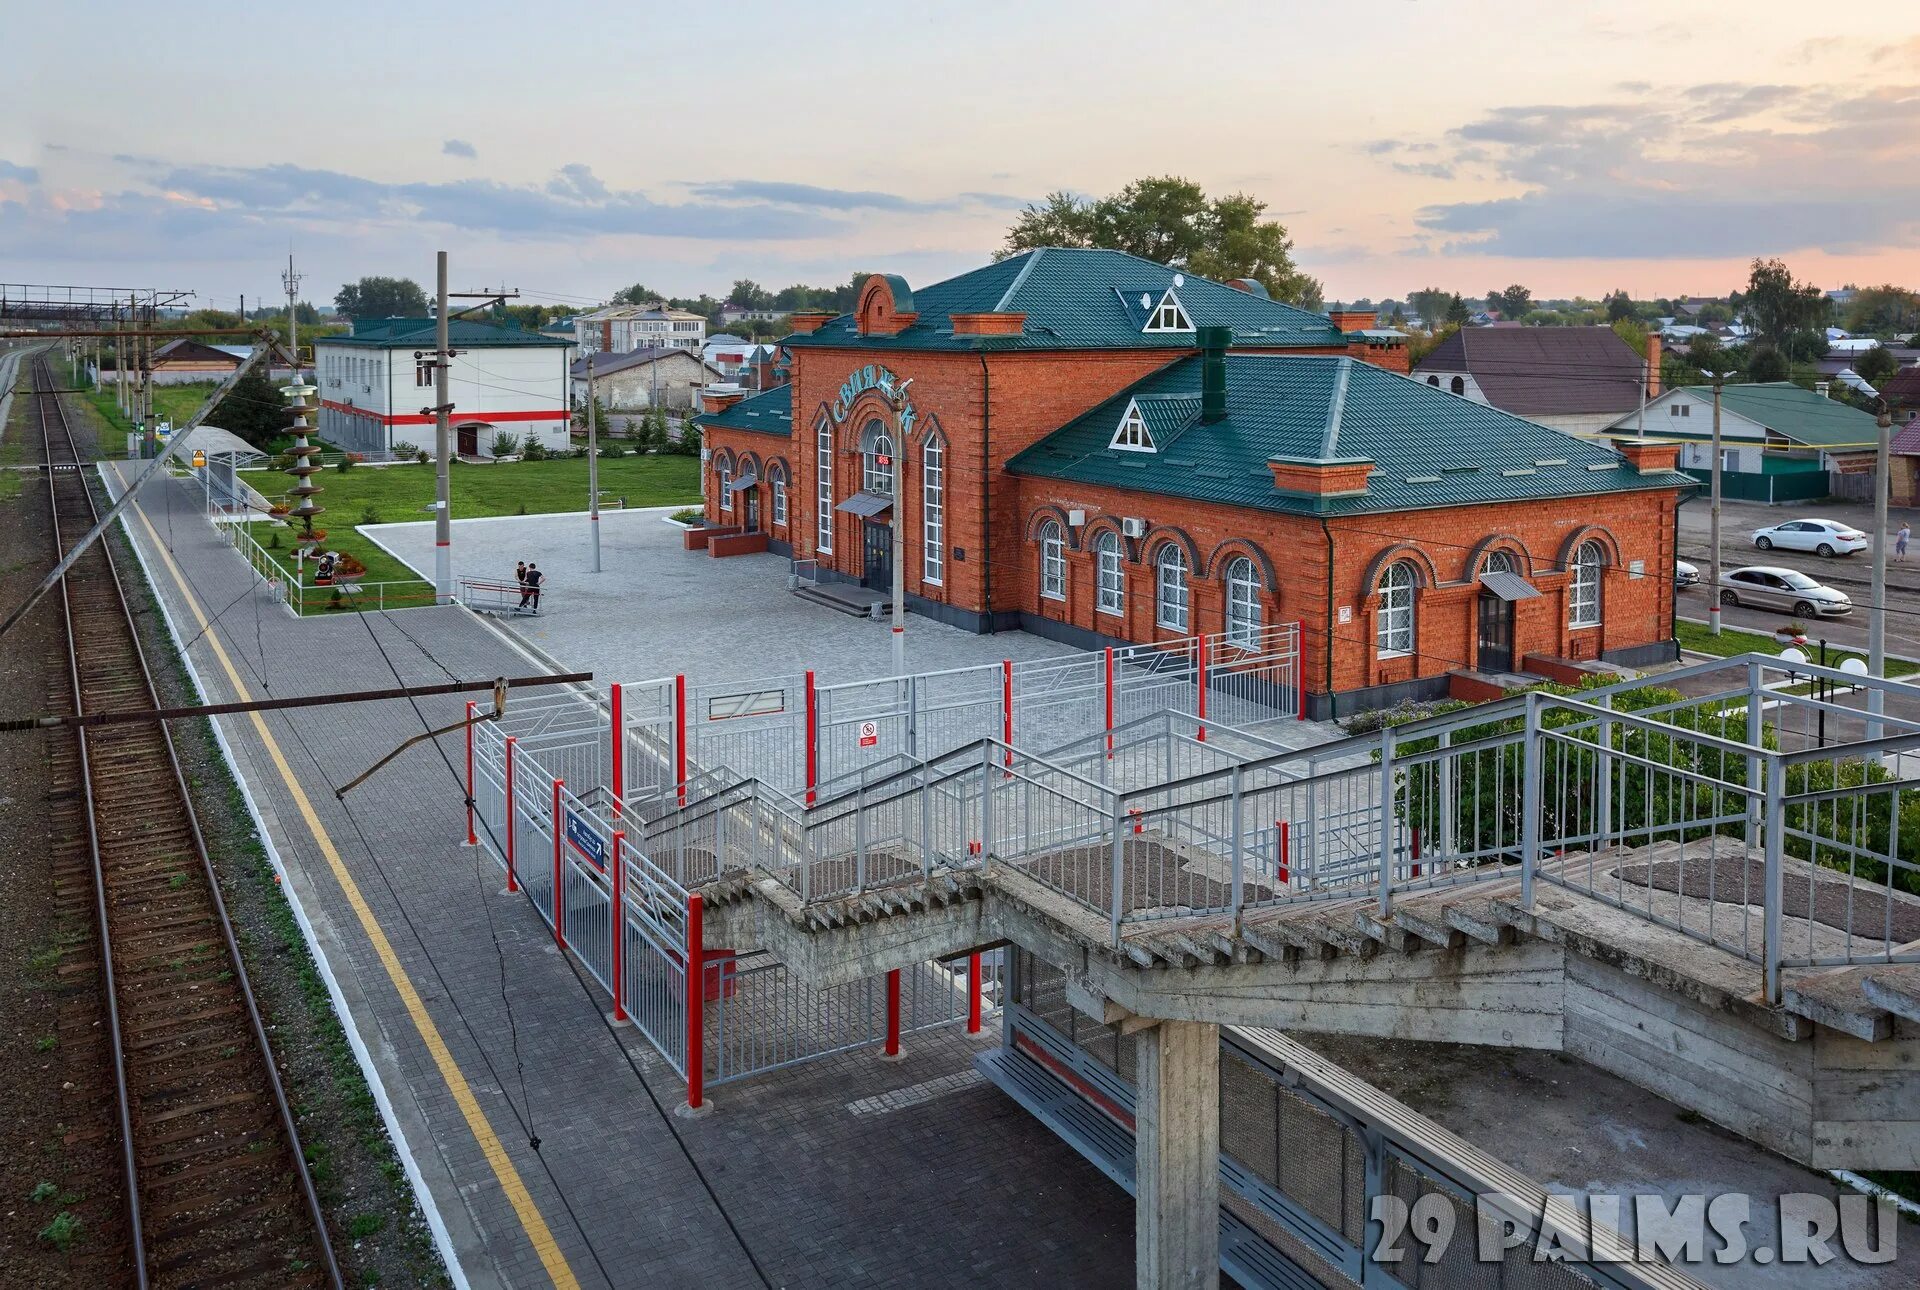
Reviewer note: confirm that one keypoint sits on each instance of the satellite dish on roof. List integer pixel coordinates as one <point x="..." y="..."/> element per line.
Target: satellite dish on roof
<point x="1179" y="280"/>
<point x="1146" y="300"/>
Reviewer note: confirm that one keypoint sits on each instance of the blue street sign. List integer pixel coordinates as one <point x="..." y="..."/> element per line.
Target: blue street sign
<point x="583" y="837"/>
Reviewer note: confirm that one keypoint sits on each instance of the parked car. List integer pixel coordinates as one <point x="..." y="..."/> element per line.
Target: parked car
<point x="1826" y="537"/>
<point x="1766" y="586"/>
<point x="1685" y="575"/>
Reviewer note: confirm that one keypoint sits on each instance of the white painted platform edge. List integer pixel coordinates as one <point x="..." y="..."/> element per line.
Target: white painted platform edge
<point x="422" y="1194"/>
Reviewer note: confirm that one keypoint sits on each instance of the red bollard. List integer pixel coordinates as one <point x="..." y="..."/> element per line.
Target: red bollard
<point x="512" y="828"/>
<point x="1282" y="826"/>
<point x="619" y="722"/>
<point x="893" y="1013"/>
<point x="619" y="926"/>
<point x="696" y="1002"/>
<point x="973" y="994"/>
<point x="1416" y="852"/>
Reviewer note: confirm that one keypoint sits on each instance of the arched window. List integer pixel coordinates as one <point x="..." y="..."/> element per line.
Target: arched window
<point x="724" y="473"/>
<point x="777" y="480"/>
<point x="1393" y="631"/>
<point x="933" y="512"/>
<point x="1170" y="588"/>
<point x="1583" y="597"/>
<point x="1459" y="385"/>
<point x="823" y="458"/>
<point x="1053" y="562"/>
<point x="1434" y="381"/>
<point x="1499" y="562"/>
<point x="1110" y="582"/>
<point x="1243" y="603"/>
<point x="876" y="460"/>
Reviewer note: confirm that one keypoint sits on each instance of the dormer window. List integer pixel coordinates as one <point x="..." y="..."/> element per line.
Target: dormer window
<point x="1167" y="316"/>
<point x="1132" y="435"/>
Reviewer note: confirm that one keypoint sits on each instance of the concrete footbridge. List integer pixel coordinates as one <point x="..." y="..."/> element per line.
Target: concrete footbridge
<point x="1681" y="881"/>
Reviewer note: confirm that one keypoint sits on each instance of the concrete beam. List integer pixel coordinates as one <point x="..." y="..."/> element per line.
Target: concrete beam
<point x="1177" y="1158"/>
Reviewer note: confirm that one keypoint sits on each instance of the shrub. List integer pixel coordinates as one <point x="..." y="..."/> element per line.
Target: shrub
<point x="369" y="514"/>
<point x="613" y="450"/>
<point x="405" y="449"/>
<point x="691" y="515"/>
<point x="344" y="464"/>
<point x="533" y="449"/>
<point x="423" y="456"/>
<point x="505" y="444"/>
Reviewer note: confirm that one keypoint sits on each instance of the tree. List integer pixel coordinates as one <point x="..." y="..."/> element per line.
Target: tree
<point x="1619" y="307"/>
<point x="751" y="294"/>
<point x="1876" y="365"/>
<point x="637" y="294"/>
<point x="1512" y="303"/>
<point x="1768" y="364"/>
<point x="253" y="409"/>
<point x="382" y="298"/>
<point x="1429" y="305"/>
<point x="1884" y="310"/>
<point x="1708" y="354"/>
<point x="1776" y="306"/>
<point x="1171" y="221"/>
<point x="1457" y="312"/>
<point x="1807" y="345"/>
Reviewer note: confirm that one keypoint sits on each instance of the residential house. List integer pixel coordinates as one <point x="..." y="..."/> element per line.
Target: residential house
<point x="621" y="329"/>
<point x="1779" y="442"/>
<point x="733" y="311"/>
<point x="1578" y="379"/>
<point x="664" y="376"/>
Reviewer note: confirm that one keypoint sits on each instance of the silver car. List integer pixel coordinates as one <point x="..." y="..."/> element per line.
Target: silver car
<point x="1768" y="587"/>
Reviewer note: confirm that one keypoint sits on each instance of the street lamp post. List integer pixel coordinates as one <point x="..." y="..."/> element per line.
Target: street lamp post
<point x="593" y="469"/>
<point x="1877" y="617"/>
<point x="1719" y="379"/>
<point x="898" y="401"/>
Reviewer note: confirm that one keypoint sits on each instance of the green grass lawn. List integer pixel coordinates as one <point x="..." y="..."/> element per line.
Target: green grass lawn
<point x="1731" y="641"/>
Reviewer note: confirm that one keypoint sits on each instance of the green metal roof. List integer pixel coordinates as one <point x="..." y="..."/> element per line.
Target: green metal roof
<point x="769" y="412"/>
<point x="1081" y="298"/>
<point x="418" y="333"/>
<point x="1797" y="414"/>
<point x="1429" y="448"/>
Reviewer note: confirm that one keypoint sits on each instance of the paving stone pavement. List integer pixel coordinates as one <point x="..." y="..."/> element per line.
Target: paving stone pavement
<point x="958" y="1188"/>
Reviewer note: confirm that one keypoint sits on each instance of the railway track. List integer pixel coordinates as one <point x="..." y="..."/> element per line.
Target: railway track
<point x="218" y="1190"/>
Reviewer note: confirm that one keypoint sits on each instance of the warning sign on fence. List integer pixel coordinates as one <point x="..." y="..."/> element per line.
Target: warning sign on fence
<point x="869" y="733"/>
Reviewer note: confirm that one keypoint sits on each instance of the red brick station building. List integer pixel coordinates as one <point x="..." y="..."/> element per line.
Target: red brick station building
<point x="1098" y="449"/>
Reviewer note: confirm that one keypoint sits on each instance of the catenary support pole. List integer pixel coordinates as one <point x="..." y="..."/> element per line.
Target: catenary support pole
<point x="593" y="469"/>
<point x="442" y="443"/>
<point x="1177" y="1157"/>
<point x="1877" y="618"/>
<point x="1713" y="537"/>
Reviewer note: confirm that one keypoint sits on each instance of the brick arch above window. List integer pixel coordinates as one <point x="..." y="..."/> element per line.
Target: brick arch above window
<point x="1160" y="535"/>
<point x="1218" y="558"/>
<point x="1477" y="558"/>
<point x="777" y="468"/>
<point x="1425" y="575"/>
<point x="723" y="459"/>
<point x="1129" y="549"/>
<point x="747" y="464"/>
<point x="1609" y="546"/>
<point x="1069" y="535"/>
<point x="929" y="431"/>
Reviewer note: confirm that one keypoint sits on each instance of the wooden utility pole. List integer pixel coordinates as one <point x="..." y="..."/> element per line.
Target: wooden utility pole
<point x="442" y="447"/>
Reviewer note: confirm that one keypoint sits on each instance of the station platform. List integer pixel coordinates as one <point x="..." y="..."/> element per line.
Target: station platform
<point x="844" y="1171"/>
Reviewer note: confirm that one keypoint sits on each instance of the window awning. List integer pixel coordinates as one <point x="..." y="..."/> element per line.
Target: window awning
<point x="736" y="485"/>
<point x="866" y="505"/>
<point x="1508" y="586"/>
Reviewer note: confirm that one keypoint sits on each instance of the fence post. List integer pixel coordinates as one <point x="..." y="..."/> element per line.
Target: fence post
<point x="1200" y="681"/>
<point x="926" y="818"/>
<point x="1118" y="877"/>
<point x="860" y="836"/>
<point x="986" y="800"/>
<point x="1109" y="663"/>
<point x="473" y="839"/>
<point x="513" y="828"/>
<point x="1416" y="850"/>
<point x="618" y="750"/>
<point x="696" y="984"/>
<point x="1530" y="766"/>
<point x="1756" y="736"/>
<point x="1239" y="851"/>
<point x="1604" y="773"/>
<point x="973" y="993"/>
<point x="1300" y="669"/>
<point x="1774" y="878"/>
<point x="813" y="739"/>
<point x="559" y="875"/>
<point x="680" y="738"/>
<point x="619" y="951"/>
<point x="1386" y="820"/>
<point x="893" y="1053"/>
<point x="1006" y="707"/>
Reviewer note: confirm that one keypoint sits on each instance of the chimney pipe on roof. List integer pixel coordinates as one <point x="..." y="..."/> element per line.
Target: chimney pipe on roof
<point x="1213" y="342"/>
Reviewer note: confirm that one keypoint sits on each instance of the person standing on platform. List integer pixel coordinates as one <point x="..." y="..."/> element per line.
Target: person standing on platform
<point x="533" y="580"/>
<point x="1900" y="539"/>
<point x="520" y="581"/>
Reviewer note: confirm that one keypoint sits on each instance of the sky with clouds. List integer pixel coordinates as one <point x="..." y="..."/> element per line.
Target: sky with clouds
<point x="1572" y="147"/>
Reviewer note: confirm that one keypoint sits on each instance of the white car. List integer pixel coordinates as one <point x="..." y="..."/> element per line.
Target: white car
<point x="1769" y="587"/>
<point x="1685" y="575"/>
<point x="1826" y="537"/>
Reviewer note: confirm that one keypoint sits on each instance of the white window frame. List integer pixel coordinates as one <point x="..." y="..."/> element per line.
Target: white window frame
<point x="1109" y="574"/>
<point x="1172" y="591"/>
<point x="1243" y="603"/>
<point x="1499" y="561"/>
<point x="875" y="443"/>
<point x="933" y="513"/>
<point x="1394" y="628"/>
<point x="780" y="498"/>
<point x="1169" y="316"/>
<point x="1053" y="562"/>
<point x="1583" y="590"/>
<point x="823" y="522"/>
<point x="725" y="476"/>
<point x="1132" y="435"/>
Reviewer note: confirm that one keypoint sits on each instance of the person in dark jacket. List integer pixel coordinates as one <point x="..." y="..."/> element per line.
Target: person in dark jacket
<point x="531" y="583"/>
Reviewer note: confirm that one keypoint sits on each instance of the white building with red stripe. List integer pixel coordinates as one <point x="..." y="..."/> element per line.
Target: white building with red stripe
<point x="377" y="385"/>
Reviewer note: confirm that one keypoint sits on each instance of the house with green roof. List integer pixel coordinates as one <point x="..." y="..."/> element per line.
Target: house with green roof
<point x="1098" y="449"/>
<point x="1779" y="442"/>
<point x="377" y="386"/>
